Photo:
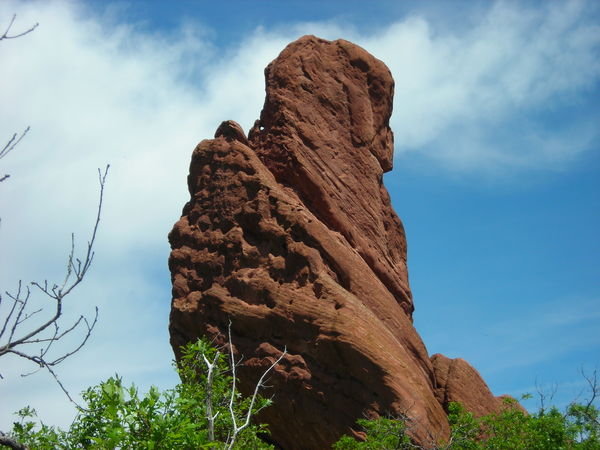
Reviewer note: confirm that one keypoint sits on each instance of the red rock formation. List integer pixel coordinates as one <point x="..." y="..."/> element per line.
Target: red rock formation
<point x="290" y="235"/>
<point x="458" y="381"/>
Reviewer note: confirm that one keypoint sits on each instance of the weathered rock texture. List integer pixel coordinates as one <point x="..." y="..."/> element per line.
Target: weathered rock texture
<point x="458" y="381"/>
<point x="290" y="234"/>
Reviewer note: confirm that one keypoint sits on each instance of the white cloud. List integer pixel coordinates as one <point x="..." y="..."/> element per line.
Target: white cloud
<point x="456" y="93"/>
<point x="97" y="91"/>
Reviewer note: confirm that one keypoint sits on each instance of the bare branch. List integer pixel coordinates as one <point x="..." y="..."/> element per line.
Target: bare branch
<point x="545" y="394"/>
<point x="18" y="35"/>
<point x="13" y="322"/>
<point x="592" y="381"/>
<point x="66" y="392"/>
<point x="237" y="429"/>
<point x="12" y="310"/>
<point x="9" y="146"/>
<point x="12" y="143"/>
<point x="89" y="330"/>
<point x="209" y="395"/>
<point x="51" y="331"/>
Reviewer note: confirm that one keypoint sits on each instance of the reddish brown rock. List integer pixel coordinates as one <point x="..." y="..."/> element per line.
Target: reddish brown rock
<point x="324" y="131"/>
<point x="457" y="381"/>
<point x="290" y="235"/>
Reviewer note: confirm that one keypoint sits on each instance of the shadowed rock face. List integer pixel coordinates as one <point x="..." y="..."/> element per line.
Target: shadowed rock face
<point x="290" y="234"/>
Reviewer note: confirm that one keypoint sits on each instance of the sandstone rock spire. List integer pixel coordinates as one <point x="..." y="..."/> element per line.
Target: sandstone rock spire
<point x="290" y="234"/>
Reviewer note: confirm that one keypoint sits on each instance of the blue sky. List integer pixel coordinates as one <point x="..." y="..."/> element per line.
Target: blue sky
<point x="496" y="176"/>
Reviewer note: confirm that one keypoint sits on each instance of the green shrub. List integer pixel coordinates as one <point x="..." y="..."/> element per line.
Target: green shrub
<point x="510" y="429"/>
<point x="119" y="417"/>
<point x="380" y="434"/>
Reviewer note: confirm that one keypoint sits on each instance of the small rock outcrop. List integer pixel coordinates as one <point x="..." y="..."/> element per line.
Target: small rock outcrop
<point x="290" y="235"/>
<point x="458" y="381"/>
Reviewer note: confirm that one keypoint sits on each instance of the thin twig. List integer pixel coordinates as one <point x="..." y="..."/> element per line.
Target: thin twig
<point x="18" y="313"/>
<point x="237" y="429"/>
<point x="14" y="36"/>
<point x="10" y="145"/>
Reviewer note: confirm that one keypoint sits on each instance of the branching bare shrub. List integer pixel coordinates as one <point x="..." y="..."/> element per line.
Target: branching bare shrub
<point x="18" y="332"/>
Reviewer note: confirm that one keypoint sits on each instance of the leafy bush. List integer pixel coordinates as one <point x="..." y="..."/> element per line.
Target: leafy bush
<point x="382" y="433"/>
<point x="511" y="428"/>
<point x="119" y="417"/>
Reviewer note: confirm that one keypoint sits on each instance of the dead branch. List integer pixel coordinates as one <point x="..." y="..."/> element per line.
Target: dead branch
<point x="237" y="429"/>
<point x="545" y="394"/>
<point x="18" y="332"/>
<point x="15" y="139"/>
<point x="9" y="146"/>
<point x="592" y="381"/>
<point x="209" y="394"/>
<point x="5" y="35"/>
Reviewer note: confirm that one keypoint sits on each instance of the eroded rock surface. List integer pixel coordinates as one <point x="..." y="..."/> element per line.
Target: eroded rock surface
<point x="458" y="381"/>
<point x="290" y="235"/>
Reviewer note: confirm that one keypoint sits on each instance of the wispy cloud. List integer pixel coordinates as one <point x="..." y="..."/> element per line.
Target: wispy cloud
<point x="481" y="97"/>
